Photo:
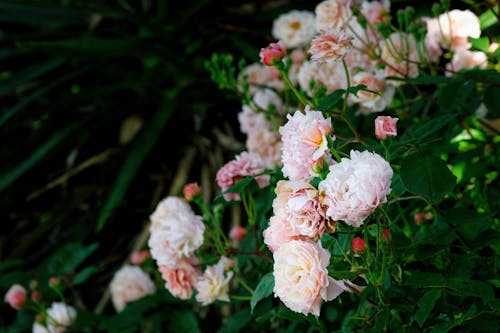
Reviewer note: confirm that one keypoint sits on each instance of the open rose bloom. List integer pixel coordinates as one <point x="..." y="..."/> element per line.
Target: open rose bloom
<point x="129" y="284"/>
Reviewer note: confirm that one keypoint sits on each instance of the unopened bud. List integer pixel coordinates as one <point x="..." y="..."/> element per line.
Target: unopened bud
<point x="36" y="296"/>
<point x="138" y="257"/>
<point x="191" y="191"/>
<point x="418" y="218"/>
<point x="358" y="245"/>
<point x="54" y="282"/>
<point x="237" y="233"/>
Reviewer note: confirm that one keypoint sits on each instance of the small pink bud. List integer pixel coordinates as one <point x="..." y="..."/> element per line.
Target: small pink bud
<point x="16" y="296"/>
<point x="36" y="296"/>
<point x="358" y="245"/>
<point x="385" y="126"/>
<point x="386" y="233"/>
<point x="272" y="54"/>
<point x="191" y="191"/>
<point x="33" y="284"/>
<point x="317" y="166"/>
<point x="138" y="257"/>
<point x="54" y="282"/>
<point x="237" y="233"/>
<point x="418" y="218"/>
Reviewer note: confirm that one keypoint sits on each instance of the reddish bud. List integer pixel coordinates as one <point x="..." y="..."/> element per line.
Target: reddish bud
<point x="16" y="296"/>
<point x="386" y="233"/>
<point x="237" y="233"/>
<point x="36" y="296"/>
<point x="191" y="191"/>
<point x="54" y="282"/>
<point x="418" y="218"/>
<point x="272" y="54"/>
<point x="358" y="245"/>
<point x="138" y="257"/>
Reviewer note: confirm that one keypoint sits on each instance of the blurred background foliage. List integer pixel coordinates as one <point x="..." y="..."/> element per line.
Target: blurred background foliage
<point x="107" y="108"/>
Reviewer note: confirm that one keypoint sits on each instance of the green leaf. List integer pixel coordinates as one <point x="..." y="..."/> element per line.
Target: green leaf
<point x="330" y="101"/>
<point x="12" y="175"/>
<point x="263" y="289"/>
<point x="68" y="257"/>
<point x="492" y="102"/>
<point x="427" y="175"/>
<point x="240" y="185"/>
<point x="480" y="44"/>
<point x="184" y="321"/>
<point x="422" y="130"/>
<point x="236" y="322"/>
<point x="426" y="304"/>
<point x="488" y="18"/>
<point x="138" y="152"/>
<point x="84" y="275"/>
<point x="426" y="280"/>
<point x="25" y="76"/>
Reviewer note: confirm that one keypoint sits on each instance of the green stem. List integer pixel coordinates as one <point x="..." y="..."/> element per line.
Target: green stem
<point x="299" y="96"/>
<point x="240" y="298"/>
<point x="346" y="70"/>
<point x="244" y="284"/>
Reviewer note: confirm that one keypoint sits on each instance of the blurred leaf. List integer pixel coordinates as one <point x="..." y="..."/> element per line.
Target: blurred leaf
<point x="141" y="147"/>
<point x="10" y="176"/>
<point x="263" y="289"/>
<point x="426" y="304"/>
<point x="492" y="102"/>
<point x="422" y="130"/>
<point x="184" y="321"/>
<point x="240" y="185"/>
<point x="67" y="258"/>
<point x="426" y="280"/>
<point x="488" y="18"/>
<point x="427" y="175"/>
<point x="330" y="101"/>
<point x="236" y="322"/>
<point x="468" y="222"/>
<point x="84" y="275"/>
<point x="17" y="79"/>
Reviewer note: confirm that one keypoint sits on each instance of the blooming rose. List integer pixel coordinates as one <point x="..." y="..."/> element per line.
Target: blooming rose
<point x="385" y="126"/>
<point x="356" y="186"/>
<point x="330" y="45"/>
<point x="245" y="164"/>
<point x="278" y="232"/>
<point x="465" y="59"/>
<point x="179" y="235"/>
<point x="298" y="202"/>
<point x="399" y="53"/>
<point x="59" y="317"/>
<point x="165" y="207"/>
<point x="333" y="14"/>
<point x="16" y="296"/>
<point x="181" y="279"/>
<point x="129" y="284"/>
<point x="304" y="139"/>
<point x="371" y="102"/>
<point x="272" y="54"/>
<point x="301" y="278"/>
<point x="258" y="75"/>
<point x="214" y="283"/>
<point x="375" y="11"/>
<point x="433" y="38"/>
<point x="295" y="28"/>
<point x="457" y="26"/>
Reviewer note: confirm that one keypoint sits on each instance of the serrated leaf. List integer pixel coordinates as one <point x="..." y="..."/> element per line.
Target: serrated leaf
<point x="426" y="303"/>
<point x="263" y="289"/>
<point x="427" y="175"/>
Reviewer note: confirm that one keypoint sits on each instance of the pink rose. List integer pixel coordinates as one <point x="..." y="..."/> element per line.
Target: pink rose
<point x="214" y="283"/>
<point x="330" y="45"/>
<point x="298" y="203"/>
<point x="277" y="233"/>
<point x="355" y="187"/>
<point x="305" y="140"/>
<point x="271" y="54"/>
<point x="375" y="11"/>
<point x="129" y="284"/>
<point x="373" y="102"/>
<point x="301" y="278"/>
<point x="16" y="296"/>
<point x="333" y="14"/>
<point x="245" y="164"/>
<point x="457" y="26"/>
<point x="180" y="280"/>
<point x="385" y="126"/>
<point x="465" y="59"/>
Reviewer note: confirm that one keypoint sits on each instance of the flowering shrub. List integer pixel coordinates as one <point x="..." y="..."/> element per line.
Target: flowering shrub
<point x="369" y="186"/>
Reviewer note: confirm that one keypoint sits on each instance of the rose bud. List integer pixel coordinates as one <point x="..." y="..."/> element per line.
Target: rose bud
<point x="237" y="233"/>
<point x="271" y="54"/>
<point x="358" y="245"/>
<point x="385" y="126"/>
<point x="16" y="296"/>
